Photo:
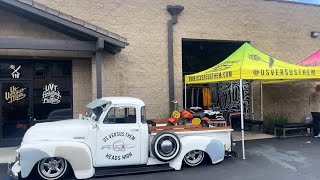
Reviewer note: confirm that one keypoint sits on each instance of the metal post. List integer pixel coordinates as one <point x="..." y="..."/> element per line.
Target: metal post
<point x="252" y="110"/>
<point x="231" y="92"/>
<point x="98" y="74"/>
<point x="185" y="96"/>
<point x="261" y="105"/>
<point x="99" y="48"/>
<point x="198" y="93"/>
<point x="242" y="121"/>
<point x="192" y="97"/>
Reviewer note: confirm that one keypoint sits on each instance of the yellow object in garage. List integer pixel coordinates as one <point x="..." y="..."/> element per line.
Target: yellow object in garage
<point x="176" y="114"/>
<point x="196" y="121"/>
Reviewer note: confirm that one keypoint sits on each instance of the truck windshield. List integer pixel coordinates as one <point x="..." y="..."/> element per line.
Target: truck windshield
<point x="95" y="113"/>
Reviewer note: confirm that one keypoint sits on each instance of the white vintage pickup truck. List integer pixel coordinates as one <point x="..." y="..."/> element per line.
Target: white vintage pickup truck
<point x="115" y="138"/>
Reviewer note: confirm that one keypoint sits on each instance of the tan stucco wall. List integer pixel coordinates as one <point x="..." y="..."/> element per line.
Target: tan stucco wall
<point x="81" y="81"/>
<point x="140" y="70"/>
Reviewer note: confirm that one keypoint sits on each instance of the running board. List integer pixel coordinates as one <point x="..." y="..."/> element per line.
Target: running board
<point x="124" y="170"/>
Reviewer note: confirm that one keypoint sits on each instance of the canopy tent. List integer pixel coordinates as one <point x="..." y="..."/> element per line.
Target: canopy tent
<point x="248" y="63"/>
<point x="313" y="60"/>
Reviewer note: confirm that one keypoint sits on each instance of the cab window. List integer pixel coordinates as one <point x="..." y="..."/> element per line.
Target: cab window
<point x="120" y="115"/>
<point x="143" y="115"/>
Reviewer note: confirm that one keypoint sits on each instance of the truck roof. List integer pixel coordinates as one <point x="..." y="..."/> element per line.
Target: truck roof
<point x="124" y="100"/>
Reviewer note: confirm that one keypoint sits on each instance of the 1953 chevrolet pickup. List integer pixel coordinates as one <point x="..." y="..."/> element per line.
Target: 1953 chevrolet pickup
<point x="115" y="138"/>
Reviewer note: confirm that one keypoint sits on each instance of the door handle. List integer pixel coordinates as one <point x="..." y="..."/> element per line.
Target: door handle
<point x="134" y="130"/>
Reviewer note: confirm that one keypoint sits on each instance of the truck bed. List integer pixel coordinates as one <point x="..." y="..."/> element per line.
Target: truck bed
<point x="221" y="133"/>
<point x="186" y="128"/>
<point x="161" y="125"/>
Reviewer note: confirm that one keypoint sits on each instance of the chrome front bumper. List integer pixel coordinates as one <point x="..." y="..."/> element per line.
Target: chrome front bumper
<point x="13" y="172"/>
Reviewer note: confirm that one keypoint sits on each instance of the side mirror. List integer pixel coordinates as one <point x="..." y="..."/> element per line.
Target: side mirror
<point x="94" y="117"/>
<point x="95" y="126"/>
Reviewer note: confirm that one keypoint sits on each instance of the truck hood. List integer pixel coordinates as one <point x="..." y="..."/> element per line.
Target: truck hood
<point x="70" y="130"/>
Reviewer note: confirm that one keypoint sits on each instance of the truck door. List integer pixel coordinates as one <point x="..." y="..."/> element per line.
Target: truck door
<point x="118" y="138"/>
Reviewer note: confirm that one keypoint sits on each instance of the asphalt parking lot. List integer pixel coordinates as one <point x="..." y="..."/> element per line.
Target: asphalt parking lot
<point x="292" y="159"/>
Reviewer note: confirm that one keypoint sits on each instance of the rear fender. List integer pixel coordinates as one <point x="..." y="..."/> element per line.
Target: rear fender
<point x="77" y="154"/>
<point x="213" y="147"/>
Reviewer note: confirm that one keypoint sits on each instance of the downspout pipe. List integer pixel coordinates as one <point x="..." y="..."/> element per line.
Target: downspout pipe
<point x="99" y="49"/>
<point x="174" y="10"/>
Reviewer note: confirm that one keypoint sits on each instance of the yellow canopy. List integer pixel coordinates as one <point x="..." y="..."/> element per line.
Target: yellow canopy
<point x="249" y="63"/>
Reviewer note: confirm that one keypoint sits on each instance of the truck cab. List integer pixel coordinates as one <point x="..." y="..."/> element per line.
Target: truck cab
<point x="122" y="132"/>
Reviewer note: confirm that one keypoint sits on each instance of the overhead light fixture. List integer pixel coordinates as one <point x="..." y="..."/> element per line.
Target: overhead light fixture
<point x="315" y="34"/>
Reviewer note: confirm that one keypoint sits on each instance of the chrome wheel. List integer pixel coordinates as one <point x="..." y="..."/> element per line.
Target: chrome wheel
<point x="52" y="168"/>
<point x="194" y="158"/>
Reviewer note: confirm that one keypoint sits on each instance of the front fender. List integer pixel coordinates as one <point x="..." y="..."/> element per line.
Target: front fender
<point x="76" y="153"/>
<point x="213" y="147"/>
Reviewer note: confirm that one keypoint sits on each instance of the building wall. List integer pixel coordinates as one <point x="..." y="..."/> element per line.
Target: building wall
<point x="81" y="80"/>
<point x="14" y="26"/>
<point x="141" y="69"/>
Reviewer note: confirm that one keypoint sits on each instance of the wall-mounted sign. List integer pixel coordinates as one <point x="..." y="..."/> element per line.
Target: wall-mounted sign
<point x="15" y="94"/>
<point x="51" y="94"/>
<point x="15" y="74"/>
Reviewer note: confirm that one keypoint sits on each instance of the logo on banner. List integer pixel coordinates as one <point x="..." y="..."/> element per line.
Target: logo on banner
<point x="15" y="74"/>
<point x="225" y="65"/>
<point x="15" y="94"/>
<point x="271" y="62"/>
<point x="254" y="57"/>
<point x="51" y="94"/>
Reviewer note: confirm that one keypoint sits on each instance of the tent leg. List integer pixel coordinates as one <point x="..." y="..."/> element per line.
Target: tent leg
<point x="231" y="92"/>
<point x="198" y="92"/>
<point x="242" y="121"/>
<point x="185" y="96"/>
<point x="261" y="105"/>
<point x="252" y="108"/>
<point x="192" y="97"/>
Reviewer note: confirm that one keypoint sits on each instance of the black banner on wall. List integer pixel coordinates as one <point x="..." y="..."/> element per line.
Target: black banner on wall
<point x="229" y="97"/>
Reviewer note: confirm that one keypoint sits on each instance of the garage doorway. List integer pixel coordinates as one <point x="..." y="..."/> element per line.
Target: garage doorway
<point x="201" y="54"/>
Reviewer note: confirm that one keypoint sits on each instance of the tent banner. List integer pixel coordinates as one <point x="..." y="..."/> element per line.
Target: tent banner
<point x="249" y="63"/>
<point x="211" y="76"/>
<point x="258" y="65"/>
<point x="227" y="70"/>
<point x="312" y="60"/>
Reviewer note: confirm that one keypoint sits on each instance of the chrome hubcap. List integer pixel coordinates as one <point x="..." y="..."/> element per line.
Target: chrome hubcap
<point x="166" y="146"/>
<point x="52" y="167"/>
<point x="194" y="157"/>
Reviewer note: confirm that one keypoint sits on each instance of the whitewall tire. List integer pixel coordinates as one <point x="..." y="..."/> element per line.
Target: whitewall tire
<point x="165" y="146"/>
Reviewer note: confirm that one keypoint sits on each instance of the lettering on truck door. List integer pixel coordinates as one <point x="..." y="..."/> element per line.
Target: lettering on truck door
<point x="118" y="138"/>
